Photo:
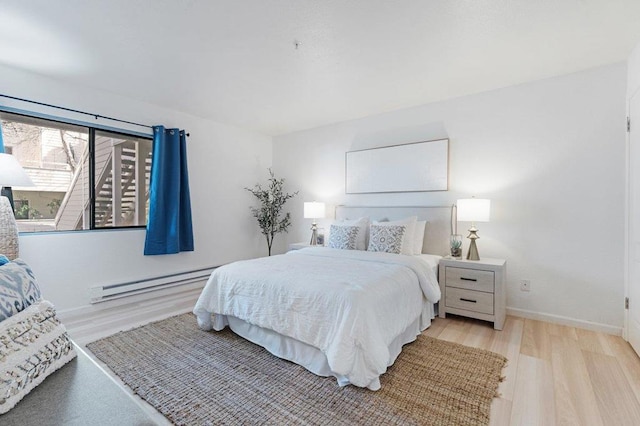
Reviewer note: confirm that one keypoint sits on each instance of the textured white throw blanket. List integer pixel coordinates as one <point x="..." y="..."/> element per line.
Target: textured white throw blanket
<point x="349" y="304"/>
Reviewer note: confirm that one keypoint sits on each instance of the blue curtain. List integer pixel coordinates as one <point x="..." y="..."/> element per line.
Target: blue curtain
<point x="169" y="228"/>
<point x="1" y="140"/>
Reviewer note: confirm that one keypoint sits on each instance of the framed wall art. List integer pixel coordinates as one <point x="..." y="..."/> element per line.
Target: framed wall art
<point x="412" y="167"/>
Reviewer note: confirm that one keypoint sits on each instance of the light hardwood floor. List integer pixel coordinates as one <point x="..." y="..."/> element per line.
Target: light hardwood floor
<point x="556" y="375"/>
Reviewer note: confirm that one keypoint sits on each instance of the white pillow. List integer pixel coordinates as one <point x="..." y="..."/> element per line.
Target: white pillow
<point x="418" y="239"/>
<point x="363" y="229"/>
<point x="408" y="235"/>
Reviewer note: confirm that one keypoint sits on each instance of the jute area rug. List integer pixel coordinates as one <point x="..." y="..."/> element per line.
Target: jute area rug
<point x="195" y="377"/>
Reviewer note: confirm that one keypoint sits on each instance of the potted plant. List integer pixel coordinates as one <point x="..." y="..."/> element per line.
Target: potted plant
<point x="269" y="214"/>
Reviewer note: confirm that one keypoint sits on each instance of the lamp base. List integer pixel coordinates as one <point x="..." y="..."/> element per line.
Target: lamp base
<point x="8" y="230"/>
<point x="472" y="254"/>
<point x="314" y="234"/>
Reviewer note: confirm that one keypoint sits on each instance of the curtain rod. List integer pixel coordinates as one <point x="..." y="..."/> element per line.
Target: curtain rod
<point x="97" y="116"/>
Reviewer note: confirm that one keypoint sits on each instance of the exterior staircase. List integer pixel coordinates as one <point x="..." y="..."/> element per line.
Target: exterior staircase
<point x="125" y="204"/>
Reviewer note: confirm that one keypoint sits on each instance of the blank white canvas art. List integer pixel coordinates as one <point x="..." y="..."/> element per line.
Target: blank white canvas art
<point x="414" y="167"/>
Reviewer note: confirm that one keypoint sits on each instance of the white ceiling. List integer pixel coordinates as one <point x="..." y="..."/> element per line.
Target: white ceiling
<point x="236" y="61"/>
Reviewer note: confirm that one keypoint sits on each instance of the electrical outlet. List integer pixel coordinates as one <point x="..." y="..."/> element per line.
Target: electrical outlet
<point x="525" y="285"/>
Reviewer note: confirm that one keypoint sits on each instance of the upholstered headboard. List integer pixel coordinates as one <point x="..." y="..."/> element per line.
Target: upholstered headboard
<point x="437" y="231"/>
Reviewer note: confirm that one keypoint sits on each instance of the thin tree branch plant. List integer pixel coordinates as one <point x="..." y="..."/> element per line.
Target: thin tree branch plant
<point x="269" y="214"/>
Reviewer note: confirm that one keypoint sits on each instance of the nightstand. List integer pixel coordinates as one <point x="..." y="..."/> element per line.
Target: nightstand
<point x="298" y="246"/>
<point x="474" y="288"/>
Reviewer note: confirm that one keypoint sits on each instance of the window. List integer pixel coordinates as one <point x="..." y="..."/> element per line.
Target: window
<point x="22" y="209"/>
<point x="85" y="178"/>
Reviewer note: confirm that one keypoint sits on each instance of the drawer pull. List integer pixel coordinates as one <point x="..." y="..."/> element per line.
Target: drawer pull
<point x="468" y="279"/>
<point x="469" y="300"/>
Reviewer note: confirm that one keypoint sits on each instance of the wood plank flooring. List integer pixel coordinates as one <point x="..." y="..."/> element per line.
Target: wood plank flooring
<point x="556" y="375"/>
<point x="85" y="328"/>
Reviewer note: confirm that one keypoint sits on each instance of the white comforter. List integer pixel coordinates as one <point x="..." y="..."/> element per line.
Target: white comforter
<point x="349" y="304"/>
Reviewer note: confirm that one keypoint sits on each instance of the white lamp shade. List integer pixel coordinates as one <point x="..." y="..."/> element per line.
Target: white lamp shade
<point x="314" y="210"/>
<point x="474" y="210"/>
<point x="12" y="173"/>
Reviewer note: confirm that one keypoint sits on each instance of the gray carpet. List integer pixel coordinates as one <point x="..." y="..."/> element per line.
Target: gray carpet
<point x="217" y="378"/>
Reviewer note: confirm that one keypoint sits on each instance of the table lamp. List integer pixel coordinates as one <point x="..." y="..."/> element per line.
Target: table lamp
<point x="473" y="210"/>
<point x="11" y="174"/>
<point x="314" y="210"/>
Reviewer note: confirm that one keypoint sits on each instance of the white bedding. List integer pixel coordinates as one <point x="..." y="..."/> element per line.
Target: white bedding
<point x="339" y="301"/>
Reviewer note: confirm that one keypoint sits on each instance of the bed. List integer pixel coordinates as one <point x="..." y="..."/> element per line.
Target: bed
<point x="341" y="313"/>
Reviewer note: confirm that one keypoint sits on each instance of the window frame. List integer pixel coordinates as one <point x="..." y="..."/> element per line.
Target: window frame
<point x="91" y="134"/>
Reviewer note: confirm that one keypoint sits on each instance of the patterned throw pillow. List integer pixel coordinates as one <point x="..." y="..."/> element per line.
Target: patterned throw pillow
<point x="386" y="238"/>
<point x="343" y="237"/>
<point x="18" y="288"/>
<point x="33" y="344"/>
<point x="407" y="238"/>
<point x="363" y="230"/>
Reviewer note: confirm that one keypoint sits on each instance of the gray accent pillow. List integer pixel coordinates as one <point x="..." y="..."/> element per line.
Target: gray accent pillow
<point x="363" y="233"/>
<point x="18" y="288"/>
<point x="343" y="237"/>
<point x="387" y="238"/>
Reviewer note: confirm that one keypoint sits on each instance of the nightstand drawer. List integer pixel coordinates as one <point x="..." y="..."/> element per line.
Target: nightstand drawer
<point x="471" y="279"/>
<point x="470" y="300"/>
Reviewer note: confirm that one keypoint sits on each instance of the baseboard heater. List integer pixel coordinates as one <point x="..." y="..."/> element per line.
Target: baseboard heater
<point x="114" y="291"/>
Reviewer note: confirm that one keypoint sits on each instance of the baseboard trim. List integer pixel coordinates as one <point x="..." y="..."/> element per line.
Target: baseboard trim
<point x="92" y="309"/>
<point x="571" y="322"/>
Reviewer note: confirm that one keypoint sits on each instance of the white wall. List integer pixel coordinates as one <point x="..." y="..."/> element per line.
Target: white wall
<point x="222" y="161"/>
<point x="633" y="76"/>
<point x="549" y="154"/>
